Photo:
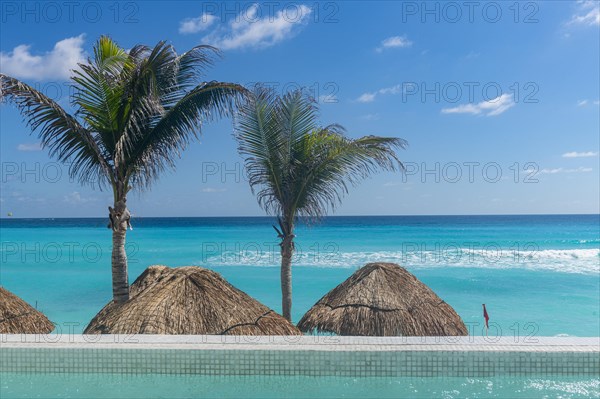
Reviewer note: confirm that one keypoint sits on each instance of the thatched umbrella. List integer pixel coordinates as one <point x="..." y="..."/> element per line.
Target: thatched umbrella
<point x="383" y="299"/>
<point x="18" y="317"/>
<point x="188" y="300"/>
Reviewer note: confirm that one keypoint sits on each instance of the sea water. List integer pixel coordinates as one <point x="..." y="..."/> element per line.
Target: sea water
<point x="539" y="275"/>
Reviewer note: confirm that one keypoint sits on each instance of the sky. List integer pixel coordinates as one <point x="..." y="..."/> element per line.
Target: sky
<point x="499" y="101"/>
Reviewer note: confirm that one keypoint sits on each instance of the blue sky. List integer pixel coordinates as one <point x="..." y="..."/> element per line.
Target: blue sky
<point x="498" y="102"/>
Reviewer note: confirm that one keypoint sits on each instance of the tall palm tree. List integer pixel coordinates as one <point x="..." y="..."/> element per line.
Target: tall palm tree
<point x="135" y="111"/>
<point x="298" y="169"/>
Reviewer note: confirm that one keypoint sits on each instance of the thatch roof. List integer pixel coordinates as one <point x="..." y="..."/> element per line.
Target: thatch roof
<point x="382" y="299"/>
<point x="18" y="317"/>
<point x="188" y="300"/>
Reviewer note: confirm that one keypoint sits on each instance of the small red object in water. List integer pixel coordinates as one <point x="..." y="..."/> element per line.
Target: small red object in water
<point x="486" y="316"/>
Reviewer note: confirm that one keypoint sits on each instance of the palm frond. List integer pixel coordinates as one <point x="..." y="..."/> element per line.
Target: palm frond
<point x="260" y="142"/>
<point x="136" y="110"/>
<point x="108" y="56"/>
<point x="331" y="162"/>
<point x="141" y="103"/>
<point x="61" y="133"/>
<point x="296" y="118"/>
<point x="297" y="168"/>
<point x="193" y="64"/>
<point x="99" y="90"/>
<point x="159" y="146"/>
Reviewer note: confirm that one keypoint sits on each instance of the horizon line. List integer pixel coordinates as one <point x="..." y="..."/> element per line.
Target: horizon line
<point x="324" y="217"/>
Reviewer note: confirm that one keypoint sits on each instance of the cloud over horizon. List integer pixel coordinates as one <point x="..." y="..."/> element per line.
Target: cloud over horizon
<point x="75" y="198"/>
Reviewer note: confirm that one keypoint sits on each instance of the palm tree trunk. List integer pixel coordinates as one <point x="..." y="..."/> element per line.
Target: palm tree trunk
<point x="120" y="280"/>
<point x="119" y="221"/>
<point x="287" y="250"/>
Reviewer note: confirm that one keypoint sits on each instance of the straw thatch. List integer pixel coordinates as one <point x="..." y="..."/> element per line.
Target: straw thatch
<point x="383" y="299"/>
<point x="18" y="317"/>
<point x="188" y="300"/>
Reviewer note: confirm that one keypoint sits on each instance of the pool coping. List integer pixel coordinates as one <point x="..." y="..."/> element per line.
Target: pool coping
<point x="302" y="343"/>
<point x="301" y="355"/>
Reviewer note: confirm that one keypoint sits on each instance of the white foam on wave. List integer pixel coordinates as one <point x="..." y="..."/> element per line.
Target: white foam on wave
<point x="589" y="241"/>
<point x="586" y="261"/>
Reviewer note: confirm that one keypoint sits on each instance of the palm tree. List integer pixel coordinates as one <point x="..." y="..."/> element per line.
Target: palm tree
<point x="135" y="111"/>
<point x="298" y="169"/>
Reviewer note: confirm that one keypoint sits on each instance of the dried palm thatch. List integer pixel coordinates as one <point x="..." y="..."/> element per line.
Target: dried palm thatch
<point x="18" y="317"/>
<point x="188" y="300"/>
<point x="383" y="299"/>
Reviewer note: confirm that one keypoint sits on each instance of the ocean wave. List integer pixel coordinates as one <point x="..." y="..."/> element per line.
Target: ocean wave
<point x="589" y="241"/>
<point x="585" y="261"/>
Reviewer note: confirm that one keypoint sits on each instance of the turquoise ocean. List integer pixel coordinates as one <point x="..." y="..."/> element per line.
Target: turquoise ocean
<point x="539" y="275"/>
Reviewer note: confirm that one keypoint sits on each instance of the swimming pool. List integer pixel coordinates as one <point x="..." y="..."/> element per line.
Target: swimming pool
<point x="176" y="386"/>
<point x="76" y="366"/>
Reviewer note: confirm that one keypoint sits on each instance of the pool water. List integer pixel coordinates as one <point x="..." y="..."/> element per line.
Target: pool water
<point x="201" y="386"/>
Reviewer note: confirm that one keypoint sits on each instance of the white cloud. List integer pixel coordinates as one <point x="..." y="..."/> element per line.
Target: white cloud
<point x="30" y="147"/>
<point x="213" y="190"/>
<point x="75" y="198"/>
<point x="249" y="30"/>
<point x="586" y="102"/>
<point x="54" y="64"/>
<point x="20" y="196"/>
<point x="370" y="97"/>
<point x="370" y="117"/>
<point x="492" y="107"/>
<point x="391" y="90"/>
<point x="472" y="55"/>
<point x="366" y="98"/>
<point x="195" y="25"/>
<point x="574" y="154"/>
<point x="554" y="171"/>
<point x="587" y="14"/>
<point x="328" y="99"/>
<point x="393" y="42"/>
